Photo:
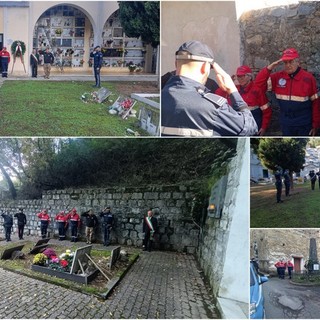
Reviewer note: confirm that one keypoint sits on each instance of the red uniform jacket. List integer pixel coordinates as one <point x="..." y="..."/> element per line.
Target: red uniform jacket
<point x="255" y="98"/>
<point x="43" y="216"/>
<point x="73" y="218"/>
<point x="61" y="218"/>
<point x="297" y="96"/>
<point x="5" y="54"/>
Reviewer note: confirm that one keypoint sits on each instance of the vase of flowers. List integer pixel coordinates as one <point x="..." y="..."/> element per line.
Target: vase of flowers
<point x="40" y="259"/>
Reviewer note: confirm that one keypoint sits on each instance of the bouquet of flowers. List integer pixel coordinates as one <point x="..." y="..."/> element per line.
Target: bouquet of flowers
<point x="63" y="262"/>
<point x="126" y="103"/>
<point x="40" y="259"/>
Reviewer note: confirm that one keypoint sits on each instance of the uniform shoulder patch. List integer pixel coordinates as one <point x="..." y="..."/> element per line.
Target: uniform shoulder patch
<point x="215" y="99"/>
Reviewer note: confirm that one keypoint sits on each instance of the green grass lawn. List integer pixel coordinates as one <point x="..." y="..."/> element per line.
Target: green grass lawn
<point x="300" y="210"/>
<point x="52" y="108"/>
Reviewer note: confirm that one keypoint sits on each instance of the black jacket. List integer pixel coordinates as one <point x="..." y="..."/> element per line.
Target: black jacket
<point x="22" y="219"/>
<point x="7" y="220"/>
<point x="90" y="220"/>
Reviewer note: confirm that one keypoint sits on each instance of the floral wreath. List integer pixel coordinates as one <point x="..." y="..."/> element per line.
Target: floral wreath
<point x="14" y="48"/>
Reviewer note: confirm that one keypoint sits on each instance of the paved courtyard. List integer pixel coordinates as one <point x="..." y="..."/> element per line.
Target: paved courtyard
<point x="159" y="285"/>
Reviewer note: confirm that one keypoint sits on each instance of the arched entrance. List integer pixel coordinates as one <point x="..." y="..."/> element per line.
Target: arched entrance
<point x="118" y="49"/>
<point x="68" y="32"/>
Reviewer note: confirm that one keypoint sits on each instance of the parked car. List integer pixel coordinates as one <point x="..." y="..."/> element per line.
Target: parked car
<point x="256" y="294"/>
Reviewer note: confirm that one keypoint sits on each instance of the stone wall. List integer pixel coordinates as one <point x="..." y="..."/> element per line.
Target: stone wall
<point x="222" y="241"/>
<point x="267" y="32"/>
<point x="171" y="203"/>
<point x="270" y="245"/>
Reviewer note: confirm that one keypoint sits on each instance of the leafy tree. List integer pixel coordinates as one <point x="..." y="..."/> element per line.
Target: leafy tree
<point x="288" y="153"/>
<point x="141" y="18"/>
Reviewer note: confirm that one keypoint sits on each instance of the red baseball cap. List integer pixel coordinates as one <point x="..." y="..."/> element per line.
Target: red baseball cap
<point x="290" y="54"/>
<point x="243" y="70"/>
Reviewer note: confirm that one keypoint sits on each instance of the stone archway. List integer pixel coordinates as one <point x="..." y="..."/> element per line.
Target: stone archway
<point x="68" y="31"/>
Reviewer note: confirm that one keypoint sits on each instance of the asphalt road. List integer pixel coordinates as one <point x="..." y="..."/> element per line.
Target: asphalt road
<point x="284" y="300"/>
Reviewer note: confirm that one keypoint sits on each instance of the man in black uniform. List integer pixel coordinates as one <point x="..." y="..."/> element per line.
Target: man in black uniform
<point x="34" y="61"/>
<point x="286" y="176"/>
<point x="278" y="183"/>
<point x="108" y="222"/>
<point x="187" y="107"/>
<point x="7" y="223"/>
<point x="313" y="178"/>
<point x="22" y="221"/>
<point x="150" y="228"/>
<point x="97" y="64"/>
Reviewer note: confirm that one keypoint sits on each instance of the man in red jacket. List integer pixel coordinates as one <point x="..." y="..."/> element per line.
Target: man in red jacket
<point x="45" y="220"/>
<point x="296" y="93"/>
<point x="5" y="59"/>
<point x="75" y="221"/>
<point x="255" y="98"/>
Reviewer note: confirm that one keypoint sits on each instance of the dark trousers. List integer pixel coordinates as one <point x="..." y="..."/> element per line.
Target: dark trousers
<point x="7" y="230"/>
<point x="147" y="242"/>
<point x="74" y="232"/>
<point x="97" y="75"/>
<point x="107" y="230"/>
<point x="312" y="184"/>
<point x="287" y="185"/>
<point x="279" y="191"/>
<point x="20" y="231"/>
<point x="282" y="272"/>
<point x="290" y="271"/>
<point x="61" y="230"/>
<point x="34" y="70"/>
<point x="302" y="131"/>
<point x="4" y="66"/>
<point x="44" y="228"/>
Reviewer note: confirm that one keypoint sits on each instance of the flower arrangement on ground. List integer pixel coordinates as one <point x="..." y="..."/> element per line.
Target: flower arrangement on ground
<point x="62" y="263"/>
<point x="132" y="66"/>
<point x="40" y="259"/>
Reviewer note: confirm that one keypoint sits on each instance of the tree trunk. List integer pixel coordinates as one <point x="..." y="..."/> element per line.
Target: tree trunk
<point x="12" y="189"/>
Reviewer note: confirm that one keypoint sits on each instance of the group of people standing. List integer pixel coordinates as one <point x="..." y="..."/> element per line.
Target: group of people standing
<point x="280" y="174"/>
<point x="63" y="219"/>
<point x="313" y="178"/>
<point x="192" y="105"/>
<point x="281" y="266"/>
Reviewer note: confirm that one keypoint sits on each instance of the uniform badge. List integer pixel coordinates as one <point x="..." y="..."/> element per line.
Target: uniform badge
<point x="282" y="82"/>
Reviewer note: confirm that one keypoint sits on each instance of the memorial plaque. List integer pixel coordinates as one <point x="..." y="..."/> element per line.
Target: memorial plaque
<point x="8" y="252"/>
<point x="103" y="94"/>
<point x="115" y="254"/>
<point x="80" y="254"/>
<point x="38" y="249"/>
<point x="42" y="241"/>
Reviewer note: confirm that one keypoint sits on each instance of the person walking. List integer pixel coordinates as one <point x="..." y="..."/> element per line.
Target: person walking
<point x="108" y="223"/>
<point x="22" y="221"/>
<point x="34" y="61"/>
<point x="150" y="228"/>
<point x="5" y="60"/>
<point x="75" y="221"/>
<point x="44" y="222"/>
<point x="48" y="60"/>
<point x="91" y="221"/>
<point x="97" y="64"/>
<point x="7" y="224"/>
<point x="61" y="220"/>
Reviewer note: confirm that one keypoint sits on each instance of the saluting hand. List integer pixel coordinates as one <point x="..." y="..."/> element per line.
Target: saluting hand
<point x="274" y="64"/>
<point x="224" y="80"/>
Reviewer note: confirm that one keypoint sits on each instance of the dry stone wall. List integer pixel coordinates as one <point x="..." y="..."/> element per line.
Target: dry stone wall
<point x="267" y="32"/>
<point x="171" y="204"/>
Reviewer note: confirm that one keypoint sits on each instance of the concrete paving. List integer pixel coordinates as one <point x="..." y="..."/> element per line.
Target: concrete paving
<point x="159" y="285"/>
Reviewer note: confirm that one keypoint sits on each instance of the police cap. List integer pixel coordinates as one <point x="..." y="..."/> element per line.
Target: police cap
<point x="196" y="50"/>
<point x="96" y="47"/>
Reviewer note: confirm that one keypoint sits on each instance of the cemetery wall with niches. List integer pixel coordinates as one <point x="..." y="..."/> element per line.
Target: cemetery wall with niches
<point x="267" y="32"/>
<point x="171" y="204"/>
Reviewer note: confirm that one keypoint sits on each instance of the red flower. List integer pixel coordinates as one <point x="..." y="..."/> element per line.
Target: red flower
<point x="64" y="263"/>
